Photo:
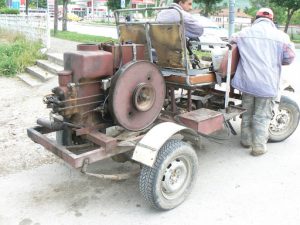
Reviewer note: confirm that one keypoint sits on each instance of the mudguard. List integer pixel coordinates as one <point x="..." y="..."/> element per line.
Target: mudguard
<point x="147" y="149"/>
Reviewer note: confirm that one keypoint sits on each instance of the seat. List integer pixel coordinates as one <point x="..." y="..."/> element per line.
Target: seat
<point x="167" y="40"/>
<point x="201" y="78"/>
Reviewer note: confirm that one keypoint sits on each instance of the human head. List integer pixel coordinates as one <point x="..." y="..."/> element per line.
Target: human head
<point x="185" y="4"/>
<point x="265" y="12"/>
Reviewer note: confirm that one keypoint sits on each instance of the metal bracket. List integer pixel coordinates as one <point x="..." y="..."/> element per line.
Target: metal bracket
<point x="116" y="177"/>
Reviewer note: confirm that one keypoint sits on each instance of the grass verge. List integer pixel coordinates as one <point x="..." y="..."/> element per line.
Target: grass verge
<point x="84" y="38"/>
<point x="16" y="53"/>
<point x="295" y="38"/>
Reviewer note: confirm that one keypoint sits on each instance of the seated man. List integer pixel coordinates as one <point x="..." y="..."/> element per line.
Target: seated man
<point x="193" y="29"/>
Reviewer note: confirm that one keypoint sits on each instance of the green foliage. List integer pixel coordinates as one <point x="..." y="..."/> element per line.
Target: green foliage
<point x="9" y="11"/>
<point x="296" y="18"/>
<point x="202" y="54"/>
<point x="84" y="38"/>
<point x="17" y="53"/>
<point x="279" y="11"/>
<point x="209" y="6"/>
<point x="293" y="5"/>
<point x="2" y="4"/>
<point x="290" y="7"/>
<point x="116" y="4"/>
<point x="251" y="11"/>
<point x="38" y="4"/>
<point x="296" y="38"/>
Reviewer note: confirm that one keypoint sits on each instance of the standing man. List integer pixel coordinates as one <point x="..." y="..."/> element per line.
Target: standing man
<point x="193" y="29"/>
<point x="263" y="50"/>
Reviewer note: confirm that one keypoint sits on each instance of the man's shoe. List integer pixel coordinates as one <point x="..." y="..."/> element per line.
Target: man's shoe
<point x="258" y="152"/>
<point x="244" y="145"/>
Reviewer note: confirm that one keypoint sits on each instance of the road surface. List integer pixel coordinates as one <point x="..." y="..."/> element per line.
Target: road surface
<point x="232" y="187"/>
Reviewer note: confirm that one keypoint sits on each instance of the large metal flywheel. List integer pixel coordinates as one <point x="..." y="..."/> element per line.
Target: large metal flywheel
<point x="136" y="95"/>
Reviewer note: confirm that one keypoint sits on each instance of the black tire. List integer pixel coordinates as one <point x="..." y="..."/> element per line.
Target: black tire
<point x="285" y="122"/>
<point x="175" y="167"/>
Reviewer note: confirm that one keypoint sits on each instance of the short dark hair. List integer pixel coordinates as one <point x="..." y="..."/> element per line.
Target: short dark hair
<point x="257" y="17"/>
<point x="177" y="1"/>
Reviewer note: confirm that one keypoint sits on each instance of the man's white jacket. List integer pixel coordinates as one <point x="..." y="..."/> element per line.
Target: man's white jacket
<point x="263" y="50"/>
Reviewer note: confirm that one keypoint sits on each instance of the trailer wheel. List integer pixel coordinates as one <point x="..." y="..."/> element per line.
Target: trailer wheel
<point x="168" y="183"/>
<point x="285" y="121"/>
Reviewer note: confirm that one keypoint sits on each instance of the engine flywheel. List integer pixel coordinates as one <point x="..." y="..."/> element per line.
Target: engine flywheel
<point x="136" y="95"/>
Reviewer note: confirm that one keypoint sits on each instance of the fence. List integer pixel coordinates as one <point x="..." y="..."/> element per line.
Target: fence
<point x="34" y="27"/>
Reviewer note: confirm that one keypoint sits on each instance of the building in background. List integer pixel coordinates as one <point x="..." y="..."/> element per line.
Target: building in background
<point x="87" y="8"/>
<point x="222" y="18"/>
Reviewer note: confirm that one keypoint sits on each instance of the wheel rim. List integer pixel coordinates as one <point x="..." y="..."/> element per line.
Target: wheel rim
<point x="281" y="122"/>
<point x="176" y="177"/>
<point x="144" y="97"/>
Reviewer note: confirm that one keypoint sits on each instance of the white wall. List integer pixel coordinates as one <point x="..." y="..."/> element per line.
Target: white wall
<point x="34" y="27"/>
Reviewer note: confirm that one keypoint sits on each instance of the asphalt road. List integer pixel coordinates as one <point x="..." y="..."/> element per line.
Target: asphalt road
<point x="232" y="187"/>
<point x="105" y="31"/>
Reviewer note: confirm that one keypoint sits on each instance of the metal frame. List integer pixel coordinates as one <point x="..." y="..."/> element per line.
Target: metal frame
<point x="103" y="146"/>
<point x="109" y="147"/>
<point x="186" y="64"/>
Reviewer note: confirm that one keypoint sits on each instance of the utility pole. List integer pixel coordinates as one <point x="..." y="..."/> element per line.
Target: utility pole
<point x="55" y="16"/>
<point x="26" y="7"/>
<point x="231" y="17"/>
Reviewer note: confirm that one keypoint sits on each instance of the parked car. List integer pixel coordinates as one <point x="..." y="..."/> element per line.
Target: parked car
<point x="212" y="33"/>
<point x="212" y="28"/>
<point x="71" y="17"/>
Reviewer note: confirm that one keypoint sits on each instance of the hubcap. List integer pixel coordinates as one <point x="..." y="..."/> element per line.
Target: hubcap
<point x="175" y="178"/>
<point x="280" y="121"/>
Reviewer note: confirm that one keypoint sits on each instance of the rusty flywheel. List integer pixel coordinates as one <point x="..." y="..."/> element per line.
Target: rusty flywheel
<point x="136" y="95"/>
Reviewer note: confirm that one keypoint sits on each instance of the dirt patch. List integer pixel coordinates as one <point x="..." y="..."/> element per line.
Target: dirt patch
<point x="21" y="105"/>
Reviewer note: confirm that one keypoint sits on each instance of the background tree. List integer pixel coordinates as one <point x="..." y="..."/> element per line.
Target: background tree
<point x="38" y="4"/>
<point x="65" y="15"/>
<point x="209" y="6"/>
<point x="296" y="18"/>
<point x="279" y="12"/>
<point x="290" y="6"/>
<point x="116" y="4"/>
<point x="2" y="4"/>
<point x="113" y="4"/>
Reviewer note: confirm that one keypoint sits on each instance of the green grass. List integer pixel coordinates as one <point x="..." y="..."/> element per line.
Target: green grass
<point x="295" y="38"/>
<point x="16" y="53"/>
<point x="84" y="38"/>
<point x="202" y="54"/>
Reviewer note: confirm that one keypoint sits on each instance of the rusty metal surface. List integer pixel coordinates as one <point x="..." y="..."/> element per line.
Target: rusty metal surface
<point x="75" y="160"/>
<point x="87" y="47"/>
<point x="122" y="93"/>
<point x="134" y="33"/>
<point x="233" y="111"/>
<point x="167" y="42"/>
<point x="103" y="140"/>
<point x="84" y="93"/>
<point x="64" y="77"/>
<point x="203" y="121"/>
<point x="87" y="65"/>
<point x="127" y="53"/>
